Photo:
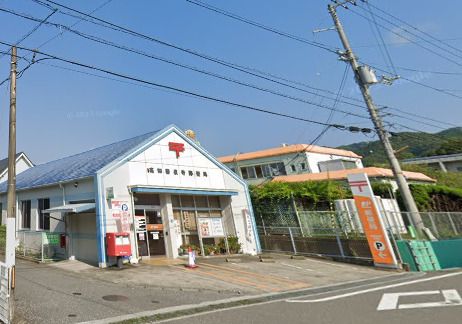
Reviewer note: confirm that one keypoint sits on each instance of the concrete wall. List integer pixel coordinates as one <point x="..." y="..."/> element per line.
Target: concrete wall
<point x="82" y="235"/>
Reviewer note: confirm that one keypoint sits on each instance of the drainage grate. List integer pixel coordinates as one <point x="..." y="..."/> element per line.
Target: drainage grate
<point x="72" y="315"/>
<point x="76" y="293"/>
<point x="155" y="301"/>
<point x="115" y="298"/>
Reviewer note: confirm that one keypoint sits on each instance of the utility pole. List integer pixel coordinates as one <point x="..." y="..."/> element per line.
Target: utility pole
<point x="349" y="56"/>
<point x="11" y="193"/>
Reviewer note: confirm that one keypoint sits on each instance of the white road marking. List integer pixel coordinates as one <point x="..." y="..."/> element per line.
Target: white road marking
<point x="373" y="289"/>
<point x="333" y="264"/>
<point x="390" y="301"/>
<point x="300" y="268"/>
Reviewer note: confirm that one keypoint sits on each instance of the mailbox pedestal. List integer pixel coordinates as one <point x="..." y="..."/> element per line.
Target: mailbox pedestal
<point x="118" y="245"/>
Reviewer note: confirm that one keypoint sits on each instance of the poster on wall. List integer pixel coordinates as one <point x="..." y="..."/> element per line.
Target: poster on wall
<point x="211" y="227"/>
<point x="121" y="212"/>
<point x="248" y="225"/>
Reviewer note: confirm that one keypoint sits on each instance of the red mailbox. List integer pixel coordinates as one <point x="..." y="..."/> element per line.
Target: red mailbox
<point x="118" y="244"/>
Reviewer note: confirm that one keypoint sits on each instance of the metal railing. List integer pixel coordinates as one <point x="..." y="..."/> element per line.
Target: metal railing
<point x="330" y="242"/>
<point x="40" y="246"/>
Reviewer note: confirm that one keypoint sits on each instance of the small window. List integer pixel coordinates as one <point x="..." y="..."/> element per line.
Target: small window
<point x="187" y="201"/>
<point x="167" y="171"/>
<point x="176" y="201"/>
<point x="25" y="212"/>
<point x="198" y="173"/>
<point x="175" y="172"/>
<point x="266" y="171"/>
<point x="44" y="218"/>
<point x="244" y="173"/>
<point x="183" y="172"/>
<point x="201" y="201"/>
<point x="302" y="166"/>
<point x="214" y="201"/>
<point x="251" y="172"/>
<point x="190" y="173"/>
<point x="204" y="174"/>
<point x="258" y="171"/>
<point x="294" y="169"/>
<point x="159" y="170"/>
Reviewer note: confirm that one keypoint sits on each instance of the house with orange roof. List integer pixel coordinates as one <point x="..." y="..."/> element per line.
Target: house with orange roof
<point x="374" y="173"/>
<point x="290" y="160"/>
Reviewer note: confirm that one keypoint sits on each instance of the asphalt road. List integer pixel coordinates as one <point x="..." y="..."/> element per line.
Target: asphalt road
<point x="430" y="298"/>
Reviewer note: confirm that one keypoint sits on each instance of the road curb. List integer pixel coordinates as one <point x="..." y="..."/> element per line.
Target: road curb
<point x="183" y="310"/>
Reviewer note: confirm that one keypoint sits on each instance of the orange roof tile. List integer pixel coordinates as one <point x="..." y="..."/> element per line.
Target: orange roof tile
<point x="372" y="172"/>
<point x="295" y="148"/>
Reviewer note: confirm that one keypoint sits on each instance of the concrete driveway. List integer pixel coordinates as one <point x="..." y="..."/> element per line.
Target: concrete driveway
<point x="71" y="291"/>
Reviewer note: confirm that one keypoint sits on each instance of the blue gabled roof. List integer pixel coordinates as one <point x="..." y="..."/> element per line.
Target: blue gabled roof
<point x="79" y="166"/>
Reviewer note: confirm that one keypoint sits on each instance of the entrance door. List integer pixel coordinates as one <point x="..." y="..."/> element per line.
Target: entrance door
<point x="155" y="231"/>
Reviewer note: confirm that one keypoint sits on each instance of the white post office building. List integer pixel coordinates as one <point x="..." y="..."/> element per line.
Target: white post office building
<point x="162" y="188"/>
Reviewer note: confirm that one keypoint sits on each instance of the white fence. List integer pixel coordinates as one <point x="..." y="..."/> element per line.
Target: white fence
<point x="40" y="246"/>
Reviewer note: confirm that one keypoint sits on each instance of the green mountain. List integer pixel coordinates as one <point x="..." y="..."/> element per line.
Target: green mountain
<point x="410" y="145"/>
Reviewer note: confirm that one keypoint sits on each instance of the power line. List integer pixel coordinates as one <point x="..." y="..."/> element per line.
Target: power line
<point x="385" y="51"/>
<point x="250" y="71"/>
<point x="33" y="30"/>
<point x="259" y="25"/>
<point x="413" y="27"/>
<point x="407" y="38"/>
<point x="198" y="95"/>
<point x="74" y="24"/>
<point x="208" y="73"/>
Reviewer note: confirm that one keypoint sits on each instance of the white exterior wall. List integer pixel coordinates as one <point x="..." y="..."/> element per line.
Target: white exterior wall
<point x="315" y="158"/>
<point x="310" y="159"/>
<point x="21" y="165"/>
<point x="134" y="173"/>
<point x="83" y="191"/>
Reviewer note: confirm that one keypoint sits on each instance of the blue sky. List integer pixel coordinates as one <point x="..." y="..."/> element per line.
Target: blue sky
<point x="61" y="112"/>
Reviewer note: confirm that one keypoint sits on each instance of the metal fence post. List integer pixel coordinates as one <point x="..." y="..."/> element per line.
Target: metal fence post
<point x="433" y="224"/>
<point x="292" y="240"/>
<point x="24" y="244"/>
<point x="452" y="223"/>
<point x="264" y="227"/>
<point x="42" y="247"/>
<point x="339" y="243"/>
<point x="294" y="206"/>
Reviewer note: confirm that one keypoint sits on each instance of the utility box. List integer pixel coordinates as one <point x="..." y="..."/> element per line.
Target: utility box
<point x="118" y="244"/>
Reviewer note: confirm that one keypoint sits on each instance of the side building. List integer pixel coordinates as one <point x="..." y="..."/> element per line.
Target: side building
<point x="22" y="164"/>
<point x="450" y="162"/>
<point x="162" y="188"/>
<point x="259" y="166"/>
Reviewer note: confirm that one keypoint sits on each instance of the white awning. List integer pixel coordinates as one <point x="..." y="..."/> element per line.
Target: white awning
<point x="71" y="208"/>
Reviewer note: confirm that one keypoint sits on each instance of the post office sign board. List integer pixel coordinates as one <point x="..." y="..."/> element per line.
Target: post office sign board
<point x="377" y="238"/>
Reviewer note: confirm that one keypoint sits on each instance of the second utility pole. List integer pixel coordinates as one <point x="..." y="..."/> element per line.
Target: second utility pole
<point x="403" y="187"/>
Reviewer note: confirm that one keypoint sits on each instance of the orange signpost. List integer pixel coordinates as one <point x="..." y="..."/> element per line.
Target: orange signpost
<point x="377" y="238"/>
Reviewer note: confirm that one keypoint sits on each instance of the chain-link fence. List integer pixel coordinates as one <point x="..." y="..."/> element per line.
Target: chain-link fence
<point x="41" y="246"/>
<point x="438" y="225"/>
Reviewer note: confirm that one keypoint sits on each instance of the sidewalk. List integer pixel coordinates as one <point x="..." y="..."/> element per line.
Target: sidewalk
<point x="71" y="291"/>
